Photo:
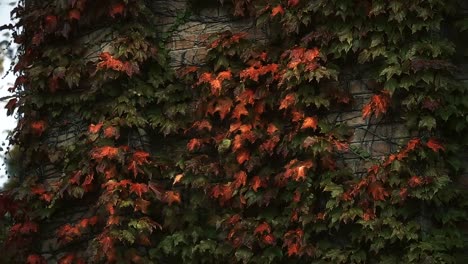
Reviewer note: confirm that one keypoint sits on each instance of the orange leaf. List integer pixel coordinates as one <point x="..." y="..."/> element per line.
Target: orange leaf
<point x="224" y="75"/>
<point x="110" y="132"/>
<point x="203" y="124"/>
<point x="141" y="157"/>
<point x="93" y="129"/>
<point x="256" y="183"/>
<point x="310" y="122"/>
<point x="239" y="111"/>
<point x="435" y="145"/>
<point x="288" y="100"/>
<point x="246" y="97"/>
<point x="142" y="205"/>
<point x="366" y="110"/>
<point x="103" y="152"/>
<point x="271" y="129"/>
<point x="240" y="179"/>
<point x="242" y="156"/>
<point x="172" y="197"/>
<point x="215" y="86"/>
<point x="277" y="10"/>
<point x="223" y="106"/>
<point x="377" y="191"/>
<point x="194" y="143"/>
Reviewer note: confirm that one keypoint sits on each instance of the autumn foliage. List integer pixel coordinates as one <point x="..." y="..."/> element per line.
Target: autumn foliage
<point x="237" y="160"/>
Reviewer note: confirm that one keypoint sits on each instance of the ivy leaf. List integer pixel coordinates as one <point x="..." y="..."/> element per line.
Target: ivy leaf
<point x="377" y="191"/>
<point x="35" y="259"/>
<point x="435" y="145"/>
<point x="310" y="122"/>
<point x="293" y="2"/>
<point x="138" y="188"/>
<point x="277" y="10"/>
<point x="74" y="14"/>
<point x="262" y="228"/>
<point x="171" y="197"/>
<point x="93" y="129"/>
<point x="243" y="155"/>
<point x="117" y="9"/>
<point x="10" y="106"/>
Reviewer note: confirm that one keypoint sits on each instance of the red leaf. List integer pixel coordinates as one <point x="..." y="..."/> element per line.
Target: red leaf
<point x="117" y="9"/>
<point x="38" y="127"/>
<point x="412" y="144"/>
<point x="107" y="245"/>
<point x="10" y="106"/>
<point x="138" y="188"/>
<point x="435" y="145"/>
<point x="28" y="228"/>
<point x="293" y="2"/>
<point x="93" y="129"/>
<point x="262" y="228"/>
<point x="403" y="193"/>
<point x="74" y="14"/>
<point x="367" y="110"/>
<point x="277" y="10"/>
<point x="35" y="259"/>
<point x="368" y="215"/>
<point x="415" y="181"/>
<point x="50" y="23"/>
<point x="67" y="259"/>
<point x="268" y="239"/>
<point x="293" y="249"/>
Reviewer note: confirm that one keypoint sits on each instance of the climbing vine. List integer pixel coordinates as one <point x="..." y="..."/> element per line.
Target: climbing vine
<point x="237" y="159"/>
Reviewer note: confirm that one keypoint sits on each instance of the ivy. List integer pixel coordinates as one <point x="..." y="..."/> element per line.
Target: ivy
<point x="237" y="159"/>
